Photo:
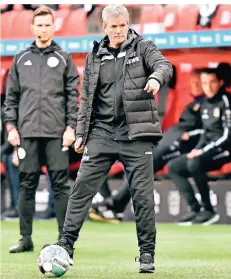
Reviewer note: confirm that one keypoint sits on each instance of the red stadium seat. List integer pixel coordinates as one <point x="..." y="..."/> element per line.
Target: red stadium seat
<point x="21" y="29"/>
<point x="76" y="23"/>
<point x="171" y="17"/>
<point x="7" y="24"/>
<point x="222" y="19"/>
<point x="65" y="6"/>
<point x="2" y="168"/>
<point x="18" y="7"/>
<point x="174" y="107"/>
<point x="44" y="170"/>
<point x="162" y="172"/>
<point x="188" y="18"/>
<point x="151" y="19"/>
<point x="224" y="171"/>
<point x="3" y="6"/>
<point x="61" y="19"/>
<point x="118" y="167"/>
<point x="74" y="166"/>
<point x="168" y="119"/>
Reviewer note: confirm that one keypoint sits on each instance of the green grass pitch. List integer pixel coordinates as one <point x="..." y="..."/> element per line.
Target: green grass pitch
<point x="106" y="251"/>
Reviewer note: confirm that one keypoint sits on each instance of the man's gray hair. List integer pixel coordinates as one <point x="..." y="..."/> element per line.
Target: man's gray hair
<point x="114" y="10"/>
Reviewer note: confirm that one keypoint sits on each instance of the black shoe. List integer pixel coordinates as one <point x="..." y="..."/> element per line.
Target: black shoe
<point x="206" y="217"/>
<point x="188" y="218"/>
<point x="70" y="250"/>
<point x="105" y="212"/>
<point x="10" y="213"/>
<point x="146" y="263"/>
<point x="25" y="245"/>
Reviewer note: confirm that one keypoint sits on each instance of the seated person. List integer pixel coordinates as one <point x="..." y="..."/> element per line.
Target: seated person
<point x="212" y="151"/>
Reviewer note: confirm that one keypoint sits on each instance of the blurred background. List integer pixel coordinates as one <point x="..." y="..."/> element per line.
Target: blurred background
<point x="190" y="36"/>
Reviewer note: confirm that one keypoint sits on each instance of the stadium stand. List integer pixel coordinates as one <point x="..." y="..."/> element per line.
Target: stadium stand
<point x="3" y="7"/>
<point x="65" y="6"/>
<point x="8" y="19"/>
<point x="2" y="168"/>
<point x="18" y="7"/>
<point x="22" y="25"/>
<point x="61" y="18"/>
<point x="188" y="18"/>
<point x="171" y="17"/>
<point x="154" y="18"/>
<point x="223" y="18"/>
<point x="151" y="19"/>
<point x="73" y="29"/>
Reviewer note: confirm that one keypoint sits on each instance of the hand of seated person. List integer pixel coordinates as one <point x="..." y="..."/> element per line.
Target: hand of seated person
<point x="194" y="153"/>
<point x="185" y="136"/>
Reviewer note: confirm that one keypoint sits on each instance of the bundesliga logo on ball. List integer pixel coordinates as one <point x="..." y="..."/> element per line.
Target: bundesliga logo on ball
<point x="53" y="261"/>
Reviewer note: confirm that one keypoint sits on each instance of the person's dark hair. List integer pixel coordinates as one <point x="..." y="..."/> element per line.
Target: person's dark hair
<point x="196" y="71"/>
<point x="224" y="70"/>
<point x="172" y="82"/>
<point x="211" y="71"/>
<point x="41" y="11"/>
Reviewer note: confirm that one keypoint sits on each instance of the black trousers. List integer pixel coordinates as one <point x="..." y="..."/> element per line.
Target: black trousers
<point x="169" y="148"/>
<point x="39" y="150"/>
<point x="180" y="169"/>
<point x="98" y="157"/>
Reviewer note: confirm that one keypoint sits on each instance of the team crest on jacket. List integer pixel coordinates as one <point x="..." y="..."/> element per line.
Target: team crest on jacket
<point x="196" y="107"/>
<point x="216" y="112"/>
<point x="52" y="62"/>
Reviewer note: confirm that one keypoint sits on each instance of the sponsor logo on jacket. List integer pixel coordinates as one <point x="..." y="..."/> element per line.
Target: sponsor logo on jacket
<point x="133" y="60"/>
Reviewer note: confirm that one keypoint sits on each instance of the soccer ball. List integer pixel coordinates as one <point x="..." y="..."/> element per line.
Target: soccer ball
<point x="53" y="261"/>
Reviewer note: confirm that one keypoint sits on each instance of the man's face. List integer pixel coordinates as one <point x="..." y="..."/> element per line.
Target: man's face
<point x="210" y="84"/>
<point x="195" y="85"/>
<point x="116" y="29"/>
<point x="43" y="28"/>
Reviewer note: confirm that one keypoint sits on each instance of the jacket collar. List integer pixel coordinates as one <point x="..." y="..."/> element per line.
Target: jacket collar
<point x="218" y="96"/>
<point x="100" y="48"/>
<point x="197" y="98"/>
<point x="51" y="48"/>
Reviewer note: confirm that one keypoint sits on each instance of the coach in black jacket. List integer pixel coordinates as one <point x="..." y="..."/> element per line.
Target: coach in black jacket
<point x="41" y="114"/>
<point x="118" y="120"/>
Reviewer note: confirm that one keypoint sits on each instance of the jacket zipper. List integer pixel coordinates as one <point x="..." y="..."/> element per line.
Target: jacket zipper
<point x="88" y="106"/>
<point x="124" y="70"/>
<point x="129" y="132"/>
